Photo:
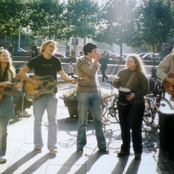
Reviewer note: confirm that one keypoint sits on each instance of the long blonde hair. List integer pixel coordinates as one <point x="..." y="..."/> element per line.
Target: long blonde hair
<point x="140" y="65"/>
<point x="10" y="67"/>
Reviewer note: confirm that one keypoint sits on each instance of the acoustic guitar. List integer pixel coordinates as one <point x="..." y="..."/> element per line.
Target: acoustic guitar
<point x="167" y="86"/>
<point x="47" y="84"/>
<point x="29" y="96"/>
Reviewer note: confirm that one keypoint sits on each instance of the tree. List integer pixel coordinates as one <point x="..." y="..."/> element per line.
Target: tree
<point x="116" y="22"/>
<point x="46" y="18"/>
<point x="153" y="24"/>
<point x="13" y="17"/>
<point x="82" y="16"/>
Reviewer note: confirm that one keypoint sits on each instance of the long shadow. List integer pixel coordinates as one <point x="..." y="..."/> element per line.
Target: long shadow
<point x="119" y="168"/>
<point x="89" y="163"/>
<point x="20" y="162"/>
<point x="66" y="167"/>
<point x="133" y="167"/>
<point x="38" y="163"/>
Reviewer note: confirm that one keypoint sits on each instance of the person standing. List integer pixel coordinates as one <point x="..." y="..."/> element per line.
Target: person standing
<point x="167" y="67"/>
<point x="89" y="97"/>
<point x="34" y="51"/>
<point x="104" y="62"/>
<point x="131" y="112"/>
<point x="10" y="49"/>
<point x="7" y="76"/>
<point x="73" y="56"/>
<point x="43" y="65"/>
<point x="70" y="70"/>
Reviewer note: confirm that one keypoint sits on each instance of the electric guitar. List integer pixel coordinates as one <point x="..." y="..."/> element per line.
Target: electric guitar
<point x="29" y="96"/>
<point x="47" y="84"/>
<point x="167" y="86"/>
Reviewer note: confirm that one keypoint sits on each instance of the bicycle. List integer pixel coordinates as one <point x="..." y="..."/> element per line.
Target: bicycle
<point x="153" y="101"/>
<point x="109" y="109"/>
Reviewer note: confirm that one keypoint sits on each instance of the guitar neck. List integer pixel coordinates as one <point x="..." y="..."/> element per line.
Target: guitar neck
<point x="11" y="93"/>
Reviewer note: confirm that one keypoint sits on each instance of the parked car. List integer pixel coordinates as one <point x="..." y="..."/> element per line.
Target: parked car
<point x="142" y="54"/>
<point x="39" y="53"/>
<point x="19" y="52"/>
<point x="149" y="56"/>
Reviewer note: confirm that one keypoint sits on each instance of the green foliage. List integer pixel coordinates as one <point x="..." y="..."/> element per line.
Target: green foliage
<point x="46" y="18"/>
<point x="153" y="23"/>
<point x="82" y="17"/>
<point x="116" y="22"/>
<point x="12" y="17"/>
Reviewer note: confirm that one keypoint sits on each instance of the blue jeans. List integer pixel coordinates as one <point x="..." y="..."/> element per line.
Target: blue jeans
<point x="6" y="111"/>
<point x="48" y="103"/>
<point x="90" y="100"/>
<point x="4" y="121"/>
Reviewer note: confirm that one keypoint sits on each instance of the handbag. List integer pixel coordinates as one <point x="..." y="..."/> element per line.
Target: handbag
<point x="123" y="92"/>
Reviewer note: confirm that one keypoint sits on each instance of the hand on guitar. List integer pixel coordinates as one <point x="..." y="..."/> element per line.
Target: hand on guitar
<point x="74" y="81"/>
<point x="170" y="80"/>
<point x="36" y="84"/>
<point x="6" y="84"/>
<point x="19" y="85"/>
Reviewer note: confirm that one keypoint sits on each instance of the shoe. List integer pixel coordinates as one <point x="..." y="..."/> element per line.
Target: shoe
<point x="25" y="114"/>
<point x="3" y="159"/>
<point x="38" y="150"/>
<point x="80" y="150"/>
<point x="122" y="153"/>
<point x="104" y="151"/>
<point x="53" y="151"/>
<point x="137" y="157"/>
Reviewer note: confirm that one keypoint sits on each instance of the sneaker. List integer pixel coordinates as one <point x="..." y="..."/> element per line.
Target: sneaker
<point x="53" y="151"/>
<point x="3" y="159"/>
<point x="80" y="150"/>
<point x="38" y="150"/>
<point x="25" y="114"/>
<point x="122" y="153"/>
<point x="137" y="157"/>
<point x="104" y="150"/>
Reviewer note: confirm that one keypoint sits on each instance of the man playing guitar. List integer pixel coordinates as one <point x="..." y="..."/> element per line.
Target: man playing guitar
<point x="45" y="65"/>
<point x="165" y="72"/>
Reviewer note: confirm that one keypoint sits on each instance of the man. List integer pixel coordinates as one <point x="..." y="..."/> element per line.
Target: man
<point x="34" y="51"/>
<point x="88" y="96"/>
<point x="165" y="67"/>
<point x="43" y="65"/>
<point x="10" y="49"/>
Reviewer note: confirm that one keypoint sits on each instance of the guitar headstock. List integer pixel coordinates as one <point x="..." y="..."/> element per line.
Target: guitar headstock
<point x="83" y="80"/>
<point x="31" y="95"/>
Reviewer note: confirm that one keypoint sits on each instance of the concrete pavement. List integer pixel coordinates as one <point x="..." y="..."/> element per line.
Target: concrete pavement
<point x="23" y="160"/>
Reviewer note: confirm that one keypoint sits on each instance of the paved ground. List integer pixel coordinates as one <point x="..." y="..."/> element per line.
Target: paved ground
<point x="23" y="160"/>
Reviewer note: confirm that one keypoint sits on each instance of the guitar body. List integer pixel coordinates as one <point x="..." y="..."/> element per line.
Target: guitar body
<point x="168" y="87"/>
<point x="1" y="89"/>
<point x="47" y="86"/>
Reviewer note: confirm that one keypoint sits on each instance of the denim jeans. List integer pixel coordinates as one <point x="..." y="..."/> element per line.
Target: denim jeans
<point x="6" y="111"/>
<point x="46" y="102"/>
<point x="4" y="121"/>
<point x="90" y="100"/>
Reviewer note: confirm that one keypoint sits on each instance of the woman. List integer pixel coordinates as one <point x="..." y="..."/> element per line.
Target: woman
<point x="131" y="116"/>
<point x="7" y="75"/>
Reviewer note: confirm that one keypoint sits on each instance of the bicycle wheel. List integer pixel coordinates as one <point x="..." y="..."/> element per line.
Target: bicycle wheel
<point x="104" y="109"/>
<point x="149" y="123"/>
<point x="163" y="103"/>
<point x="111" y="114"/>
<point x="113" y="109"/>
